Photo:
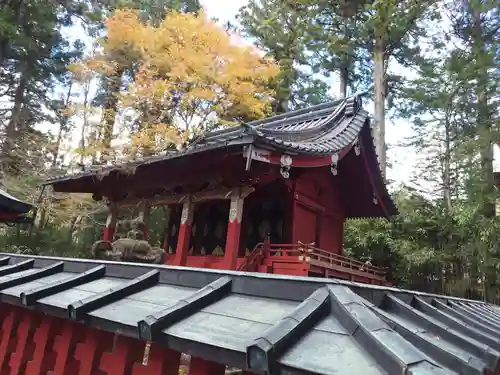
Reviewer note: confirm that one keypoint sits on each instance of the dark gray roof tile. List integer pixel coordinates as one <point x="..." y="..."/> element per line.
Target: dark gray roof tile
<point x="324" y="326"/>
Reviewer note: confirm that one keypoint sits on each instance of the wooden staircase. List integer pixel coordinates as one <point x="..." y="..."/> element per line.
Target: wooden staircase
<point x="307" y="260"/>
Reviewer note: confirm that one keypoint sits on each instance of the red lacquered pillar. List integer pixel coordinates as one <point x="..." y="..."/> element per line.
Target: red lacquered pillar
<point x="110" y="228"/>
<point x="126" y="352"/>
<point x="181" y="253"/>
<point x="159" y="361"/>
<point x="200" y="366"/>
<point x="64" y="348"/>
<point x="234" y="227"/>
<point x="89" y="351"/>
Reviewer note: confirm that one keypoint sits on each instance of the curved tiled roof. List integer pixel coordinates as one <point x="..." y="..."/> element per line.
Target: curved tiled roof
<point x="318" y="130"/>
<point x="274" y="323"/>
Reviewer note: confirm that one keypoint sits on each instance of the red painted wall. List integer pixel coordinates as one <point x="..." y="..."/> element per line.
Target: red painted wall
<point x="317" y="212"/>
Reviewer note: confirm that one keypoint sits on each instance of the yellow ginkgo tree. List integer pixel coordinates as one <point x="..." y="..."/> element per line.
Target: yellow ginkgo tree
<point x="189" y="76"/>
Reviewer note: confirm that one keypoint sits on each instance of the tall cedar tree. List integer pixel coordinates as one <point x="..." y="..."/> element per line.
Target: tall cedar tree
<point x="279" y="27"/>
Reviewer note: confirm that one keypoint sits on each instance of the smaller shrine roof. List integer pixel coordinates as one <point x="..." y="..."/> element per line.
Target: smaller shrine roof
<point x="13" y="209"/>
<point x="318" y="130"/>
<point x="266" y="323"/>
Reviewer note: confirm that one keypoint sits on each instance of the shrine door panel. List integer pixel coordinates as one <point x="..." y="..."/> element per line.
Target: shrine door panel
<point x="331" y="233"/>
<point x="304" y="224"/>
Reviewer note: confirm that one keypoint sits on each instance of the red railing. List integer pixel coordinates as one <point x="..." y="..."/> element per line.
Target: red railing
<point x="309" y="254"/>
<point x="316" y="256"/>
<point x="253" y="260"/>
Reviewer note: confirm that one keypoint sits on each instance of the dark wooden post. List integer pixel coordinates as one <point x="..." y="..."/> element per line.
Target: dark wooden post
<point x="144" y="211"/>
<point x="110" y="228"/>
<point x="168" y="227"/>
<point x="182" y="250"/>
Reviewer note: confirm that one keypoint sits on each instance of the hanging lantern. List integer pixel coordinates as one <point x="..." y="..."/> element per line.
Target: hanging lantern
<point x="286" y="163"/>
<point x="334" y="164"/>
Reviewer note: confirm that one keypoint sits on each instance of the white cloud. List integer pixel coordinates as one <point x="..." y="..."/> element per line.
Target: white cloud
<point x="224" y="10"/>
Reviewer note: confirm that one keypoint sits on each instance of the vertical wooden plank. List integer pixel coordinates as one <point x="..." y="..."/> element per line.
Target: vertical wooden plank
<point x="181" y="253"/>
<point x="29" y="322"/>
<point x="126" y="352"/>
<point x="89" y="352"/>
<point x="160" y="361"/>
<point x="44" y="357"/>
<point x="64" y="348"/>
<point x="8" y="339"/>
<point x="200" y="366"/>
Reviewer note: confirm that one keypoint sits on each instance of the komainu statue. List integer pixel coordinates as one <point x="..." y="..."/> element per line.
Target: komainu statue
<point x="128" y="245"/>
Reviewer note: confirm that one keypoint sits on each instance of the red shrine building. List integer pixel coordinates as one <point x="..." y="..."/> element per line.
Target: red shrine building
<point x="268" y="196"/>
<point x="272" y="197"/>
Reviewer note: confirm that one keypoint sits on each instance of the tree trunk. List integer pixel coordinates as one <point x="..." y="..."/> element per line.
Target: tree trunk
<point x="483" y="119"/>
<point x="62" y="128"/>
<point x="13" y="125"/>
<point x="344" y="81"/>
<point x="447" y="166"/>
<point x="113" y="87"/>
<point x="85" y="122"/>
<point x="379" y="110"/>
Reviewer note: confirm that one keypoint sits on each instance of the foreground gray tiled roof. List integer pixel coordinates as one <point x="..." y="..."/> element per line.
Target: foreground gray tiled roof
<point x="319" y="130"/>
<point x="272" y="323"/>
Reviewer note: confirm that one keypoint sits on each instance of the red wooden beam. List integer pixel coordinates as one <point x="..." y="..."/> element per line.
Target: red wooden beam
<point x="298" y="161"/>
<point x="200" y="366"/>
